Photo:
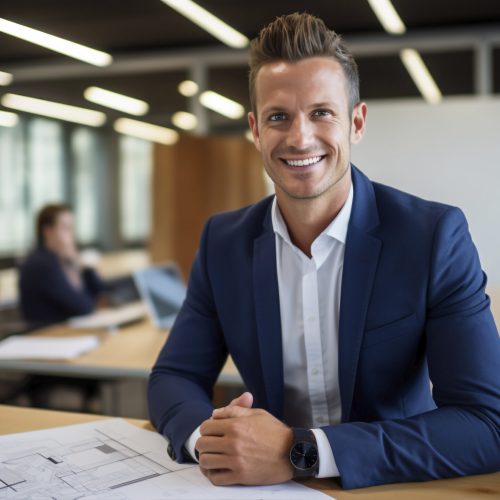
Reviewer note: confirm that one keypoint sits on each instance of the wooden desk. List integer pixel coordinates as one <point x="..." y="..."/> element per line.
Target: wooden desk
<point x="127" y="353"/>
<point x="486" y="486"/>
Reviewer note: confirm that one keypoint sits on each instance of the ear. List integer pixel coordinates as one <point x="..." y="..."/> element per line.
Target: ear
<point x="252" y="122"/>
<point x="358" y="122"/>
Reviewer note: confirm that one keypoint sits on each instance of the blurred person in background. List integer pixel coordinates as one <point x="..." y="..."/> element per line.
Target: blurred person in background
<point x="53" y="284"/>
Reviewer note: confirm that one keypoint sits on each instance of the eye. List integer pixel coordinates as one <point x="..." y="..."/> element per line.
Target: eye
<point x="277" y="117"/>
<point x="322" y="113"/>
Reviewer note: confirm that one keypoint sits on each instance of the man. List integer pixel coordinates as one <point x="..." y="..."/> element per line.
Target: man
<point x="338" y="300"/>
<point x="53" y="285"/>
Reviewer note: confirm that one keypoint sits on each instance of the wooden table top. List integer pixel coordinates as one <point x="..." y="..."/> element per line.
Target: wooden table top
<point x="128" y="352"/>
<point x="487" y="486"/>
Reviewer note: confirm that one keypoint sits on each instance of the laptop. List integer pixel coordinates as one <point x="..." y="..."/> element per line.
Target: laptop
<point x="162" y="290"/>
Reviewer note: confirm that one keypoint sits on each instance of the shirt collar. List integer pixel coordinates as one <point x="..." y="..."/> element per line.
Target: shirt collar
<point x="337" y="228"/>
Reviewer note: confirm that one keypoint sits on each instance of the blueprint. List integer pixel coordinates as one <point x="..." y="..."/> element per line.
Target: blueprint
<point x="113" y="460"/>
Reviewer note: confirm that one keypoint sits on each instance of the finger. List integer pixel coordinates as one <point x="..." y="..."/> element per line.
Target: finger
<point x="222" y="477"/>
<point x="232" y="412"/>
<point x="214" y="427"/>
<point x="245" y="400"/>
<point x="211" y="444"/>
<point x="211" y="461"/>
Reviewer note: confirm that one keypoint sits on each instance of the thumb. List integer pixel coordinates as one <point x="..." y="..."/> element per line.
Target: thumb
<point x="245" y="400"/>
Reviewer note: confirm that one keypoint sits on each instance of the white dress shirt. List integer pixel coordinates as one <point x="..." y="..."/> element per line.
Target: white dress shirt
<point x="309" y="295"/>
<point x="309" y="292"/>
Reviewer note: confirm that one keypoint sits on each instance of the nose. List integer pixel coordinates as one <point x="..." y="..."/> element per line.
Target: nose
<point x="300" y="133"/>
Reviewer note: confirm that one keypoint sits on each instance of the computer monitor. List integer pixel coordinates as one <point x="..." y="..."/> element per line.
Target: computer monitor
<point x="163" y="291"/>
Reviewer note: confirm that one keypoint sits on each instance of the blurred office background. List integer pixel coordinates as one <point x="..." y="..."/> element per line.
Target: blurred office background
<point x="150" y="197"/>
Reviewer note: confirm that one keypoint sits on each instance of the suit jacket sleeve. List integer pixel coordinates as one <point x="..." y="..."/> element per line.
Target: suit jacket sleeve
<point x="462" y="435"/>
<point x="181" y="382"/>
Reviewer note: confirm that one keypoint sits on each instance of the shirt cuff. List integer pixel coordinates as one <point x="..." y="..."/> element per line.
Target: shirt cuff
<point x="327" y="465"/>
<point x="191" y="443"/>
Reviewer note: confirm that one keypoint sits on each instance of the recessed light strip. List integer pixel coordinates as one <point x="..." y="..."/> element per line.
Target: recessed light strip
<point x="71" y="49"/>
<point x="185" y="120"/>
<point x="207" y="21"/>
<point x="222" y="105"/>
<point x="421" y="76"/>
<point x="54" y="110"/>
<point x="388" y="17"/>
<point x="116" y="101"/>
<point x="146" y="131"/>
<point x="5" y="78"/>
<point x="188" y="88"/>
<point x="8" y="119"/>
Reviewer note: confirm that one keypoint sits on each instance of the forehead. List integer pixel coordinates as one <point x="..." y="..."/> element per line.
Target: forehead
<point x="317" y="79"/>
<point x="65" y="217"/>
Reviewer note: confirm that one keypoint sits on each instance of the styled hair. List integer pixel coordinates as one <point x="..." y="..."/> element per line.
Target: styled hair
<point x="295" y="37"/>
<point x="47" y="217"/>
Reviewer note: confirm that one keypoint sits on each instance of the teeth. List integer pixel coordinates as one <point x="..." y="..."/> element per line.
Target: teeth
<point x="303" y="163"/>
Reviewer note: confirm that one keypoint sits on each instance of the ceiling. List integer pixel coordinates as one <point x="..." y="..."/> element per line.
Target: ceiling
<point x="154" y="48"/>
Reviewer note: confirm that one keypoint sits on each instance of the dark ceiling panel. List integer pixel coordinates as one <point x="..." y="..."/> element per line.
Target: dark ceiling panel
<point x="432" y="14"/>
<point x="452" y="71"/>
<point x="384" y="78"/>
<point x="344" y="16"/>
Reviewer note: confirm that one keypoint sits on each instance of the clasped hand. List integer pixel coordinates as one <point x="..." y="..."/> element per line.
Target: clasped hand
<point x="244" y="445"/>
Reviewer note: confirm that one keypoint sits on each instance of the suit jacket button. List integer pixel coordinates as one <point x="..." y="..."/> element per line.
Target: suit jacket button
<point x="171" y="452"/>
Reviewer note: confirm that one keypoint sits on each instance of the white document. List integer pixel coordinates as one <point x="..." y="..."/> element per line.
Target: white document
<point x="28" y="347"/>
<point x="114" y="460"/>
<point x="109" y="318"/>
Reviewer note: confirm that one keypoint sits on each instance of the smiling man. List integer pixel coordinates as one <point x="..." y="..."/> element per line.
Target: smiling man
<point x="339" y="300"/>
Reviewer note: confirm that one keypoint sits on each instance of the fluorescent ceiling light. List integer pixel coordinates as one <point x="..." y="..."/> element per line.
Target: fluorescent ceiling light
<point x="188" y="88"/>
<point x="207" y="21"/>
<point x="146" y="131"/>
<point x="71" y="49"/>
<point x="54" y="110"/>
<point x="5" y="78"/>
<point x="421" y="76"/>
<point x="116" y="101"/>
<point x="184" y="120"/>
<point x="8" y="119"/>
<point x="388" y="17"/>
<point x="222" y="105"/>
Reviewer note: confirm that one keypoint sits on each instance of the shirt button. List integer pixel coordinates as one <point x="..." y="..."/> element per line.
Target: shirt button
<point x="314" y="371"/>
<point x="321" y="420"/>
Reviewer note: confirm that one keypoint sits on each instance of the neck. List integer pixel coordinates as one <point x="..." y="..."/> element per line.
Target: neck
<point x="306" y="219"/>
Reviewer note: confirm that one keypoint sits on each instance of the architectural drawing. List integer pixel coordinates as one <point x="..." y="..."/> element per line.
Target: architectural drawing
<point x="110" y="460"/>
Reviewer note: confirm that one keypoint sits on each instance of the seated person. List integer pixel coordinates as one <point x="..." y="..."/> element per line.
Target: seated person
<point x="53" y="285"/>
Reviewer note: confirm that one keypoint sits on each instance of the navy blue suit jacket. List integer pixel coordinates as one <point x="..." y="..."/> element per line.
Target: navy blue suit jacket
<point x="413" y="308"/>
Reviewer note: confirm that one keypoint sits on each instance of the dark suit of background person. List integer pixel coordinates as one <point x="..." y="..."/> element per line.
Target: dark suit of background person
<point x="47" y="294"/>
<point x="413" y="306"/>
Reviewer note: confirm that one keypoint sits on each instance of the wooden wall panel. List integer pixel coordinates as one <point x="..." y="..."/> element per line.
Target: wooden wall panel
<point x="194" y="179"/>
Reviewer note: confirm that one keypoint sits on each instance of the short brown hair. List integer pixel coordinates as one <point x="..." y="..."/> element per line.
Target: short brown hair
<point x="299" y="36"/>
<point x="47" y="217"/>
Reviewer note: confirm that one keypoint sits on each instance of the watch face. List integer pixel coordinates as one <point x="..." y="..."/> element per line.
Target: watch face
<point x="304" y="455"/>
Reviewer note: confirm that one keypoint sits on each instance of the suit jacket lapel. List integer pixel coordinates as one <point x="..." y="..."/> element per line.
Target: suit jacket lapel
<point x="267" y="309"/>
<point x="360" y="263"/>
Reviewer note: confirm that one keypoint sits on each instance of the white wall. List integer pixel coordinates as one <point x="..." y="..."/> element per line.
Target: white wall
<point x="448" y="153"/>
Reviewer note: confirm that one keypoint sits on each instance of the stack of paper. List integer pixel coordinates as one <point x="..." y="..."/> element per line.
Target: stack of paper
<point x="28" y="347"/>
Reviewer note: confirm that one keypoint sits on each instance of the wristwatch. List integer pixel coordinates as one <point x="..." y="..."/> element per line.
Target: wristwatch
<point x="304" y="455"/>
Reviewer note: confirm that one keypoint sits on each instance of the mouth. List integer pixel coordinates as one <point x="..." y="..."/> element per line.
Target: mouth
<point x="303" y="162"/>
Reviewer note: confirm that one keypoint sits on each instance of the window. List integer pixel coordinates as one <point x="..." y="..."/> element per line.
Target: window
<point x="135" y="163"/>
<point x="86" y="161"/>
